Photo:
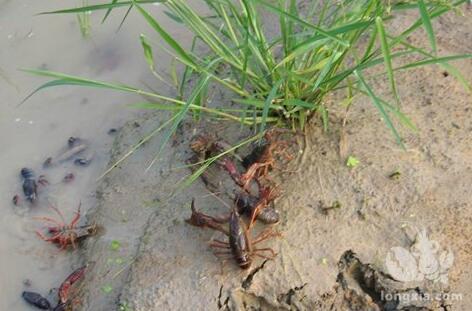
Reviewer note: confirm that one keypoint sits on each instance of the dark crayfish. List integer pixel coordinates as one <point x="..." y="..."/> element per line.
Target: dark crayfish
<point x="262" y="158"/>
<point x="271" y="147"/>
<point x="36" y="300"/>
<point x="65" y="293"/>
<point x="206" y="145"/>
<point x="240" y="246"/>
<point x="205" y="221"/>
<point x="258" y="207"/>
<point x="30" y="185"/>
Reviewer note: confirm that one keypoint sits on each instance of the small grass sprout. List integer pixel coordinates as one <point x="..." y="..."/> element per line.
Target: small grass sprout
<point x="352" y="162"/>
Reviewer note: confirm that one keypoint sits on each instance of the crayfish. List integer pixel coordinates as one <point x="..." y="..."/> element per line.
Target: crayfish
<point x="65" y="300"/>
<point x="30" y="184"/>
<point x="64" y="293"/>
<point x="258" y="207"/>
<point x="260" y="161"/>
<point x="240" y="246"/>
<point x="64" y="234"/>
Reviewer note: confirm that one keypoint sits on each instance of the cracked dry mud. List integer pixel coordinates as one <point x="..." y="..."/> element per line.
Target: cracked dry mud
<point x="166" y="264"/>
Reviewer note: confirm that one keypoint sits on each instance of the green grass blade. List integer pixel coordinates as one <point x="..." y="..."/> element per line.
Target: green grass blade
<point x="451" y="69"/>
<point x="113" y="2"/>
<point x="302" y="22"/>
<point x="139" y="144"/>
<point x="387" y="57"/>
<point x="436" y="60"/>
<point x="404" y="119"/>
<point x="63" y="79"/>
<point x="199" y="88"/>
<point x="211" y="160"/>
<point x="167" y="38"/>
<point x="299" y="103"/>
<point x="255" y="103"/>
<point x="155" y="106"/>
<point x="98" y="7"/>
<point x="124" y="18"/>
<point x="427" y="24"/>
<point x="268" y="103"/>
<point x="325" y="70"/>
<point x="148" y="56"/>
<point x="434" y="14"/>
<point x="174" y="17"/>
<point x="378" y="104"/>
<point x="324" y="117"/>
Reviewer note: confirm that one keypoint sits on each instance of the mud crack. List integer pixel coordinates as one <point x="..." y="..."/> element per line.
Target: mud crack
<point x="225" y="303"/>
<point x="248" y="280"/>
<point x="287" y="297"/>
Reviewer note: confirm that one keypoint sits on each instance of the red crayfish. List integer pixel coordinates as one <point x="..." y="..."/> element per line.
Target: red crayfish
<point x="64" y="234"/>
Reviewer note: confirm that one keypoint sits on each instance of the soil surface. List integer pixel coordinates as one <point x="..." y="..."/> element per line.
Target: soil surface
<point x="150" y="259"/>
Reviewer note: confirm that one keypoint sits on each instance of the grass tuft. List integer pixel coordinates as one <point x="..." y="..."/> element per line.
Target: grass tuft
<point x="281" y="78"/>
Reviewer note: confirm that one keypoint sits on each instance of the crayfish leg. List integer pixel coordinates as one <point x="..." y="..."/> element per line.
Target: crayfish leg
<point x="264" y="235"/>
<point x="48" y="239"/>
<point x="51" y="220"/>
<point x="270" y="250"/>
<point x="76" y="218"/>
<point x="58" y="212"/>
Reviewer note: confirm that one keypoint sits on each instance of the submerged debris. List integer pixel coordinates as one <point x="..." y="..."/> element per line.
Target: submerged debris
<point x="74" y="147"/>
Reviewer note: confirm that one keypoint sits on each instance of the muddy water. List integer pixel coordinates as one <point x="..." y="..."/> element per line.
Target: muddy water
<point x="31" y="132"/>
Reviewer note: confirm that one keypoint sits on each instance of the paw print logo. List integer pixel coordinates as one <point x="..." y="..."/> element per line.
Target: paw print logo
<point x="423" y="261"/>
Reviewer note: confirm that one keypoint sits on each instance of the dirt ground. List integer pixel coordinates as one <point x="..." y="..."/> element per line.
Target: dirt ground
<point x="150" y="259"/>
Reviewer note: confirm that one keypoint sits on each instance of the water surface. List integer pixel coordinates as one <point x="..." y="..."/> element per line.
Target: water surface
<point x="39" y="128"/>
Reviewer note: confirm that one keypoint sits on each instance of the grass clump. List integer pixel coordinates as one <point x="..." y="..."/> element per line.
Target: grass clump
<point x="282" y="77"/>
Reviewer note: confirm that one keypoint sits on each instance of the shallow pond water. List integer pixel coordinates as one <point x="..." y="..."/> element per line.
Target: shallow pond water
<point x="39" y="128"/>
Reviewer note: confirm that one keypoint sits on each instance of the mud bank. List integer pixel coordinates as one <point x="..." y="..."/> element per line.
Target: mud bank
<point x="150" y="259"/>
